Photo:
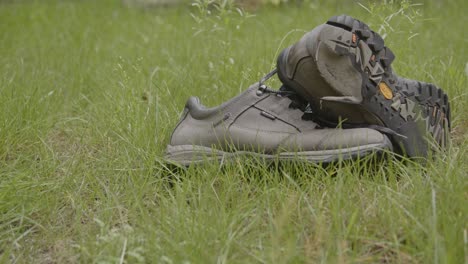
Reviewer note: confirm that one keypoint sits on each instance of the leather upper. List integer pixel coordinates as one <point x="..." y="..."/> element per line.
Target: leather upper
<point x="262" y="121"/>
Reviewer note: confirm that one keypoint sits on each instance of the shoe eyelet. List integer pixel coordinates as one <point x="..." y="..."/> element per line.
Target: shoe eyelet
<point x="261" y="90"/>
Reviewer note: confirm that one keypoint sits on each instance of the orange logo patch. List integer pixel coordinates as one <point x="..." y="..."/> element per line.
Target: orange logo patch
<point x="385" y="90"/>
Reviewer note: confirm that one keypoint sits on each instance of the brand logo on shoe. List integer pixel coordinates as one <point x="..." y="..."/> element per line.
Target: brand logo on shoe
<point x="385" y="90"/>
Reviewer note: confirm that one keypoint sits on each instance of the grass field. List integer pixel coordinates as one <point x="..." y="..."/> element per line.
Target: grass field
<point x="90" y="91"/>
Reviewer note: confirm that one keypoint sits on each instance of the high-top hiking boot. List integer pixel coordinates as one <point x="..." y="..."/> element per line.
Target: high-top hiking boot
<point x="268" y="124"/>
<point x="344" y="70"/>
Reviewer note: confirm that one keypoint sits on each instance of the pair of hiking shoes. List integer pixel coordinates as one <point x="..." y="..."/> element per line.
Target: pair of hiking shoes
<point x="340" y="99"/>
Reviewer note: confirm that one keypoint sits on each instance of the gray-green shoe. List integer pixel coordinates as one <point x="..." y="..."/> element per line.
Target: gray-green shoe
<point x="264" y="123"/>
<point x="343" y="69"/>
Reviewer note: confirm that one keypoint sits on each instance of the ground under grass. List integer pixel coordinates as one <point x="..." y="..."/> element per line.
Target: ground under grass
<point x="89" y="93"/>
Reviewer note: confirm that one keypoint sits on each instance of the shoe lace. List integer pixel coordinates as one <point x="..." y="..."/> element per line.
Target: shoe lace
<point x="262" y="88"/>
<point x="297" y="102"/>
<point x="283" y="91"/>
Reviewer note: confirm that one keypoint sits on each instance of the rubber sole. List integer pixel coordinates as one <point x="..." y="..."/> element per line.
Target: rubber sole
<point x="186" y="155"/>
<point x="417" y="113"/>
<point x="412" y="109"/>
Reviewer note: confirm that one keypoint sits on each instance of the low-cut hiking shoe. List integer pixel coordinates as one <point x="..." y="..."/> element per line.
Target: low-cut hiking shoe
<point x="267" y="124"/>
<point x="344" y="70"/>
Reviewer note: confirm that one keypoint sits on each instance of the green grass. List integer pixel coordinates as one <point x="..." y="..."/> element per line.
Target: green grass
<point x="89" y="93"/>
